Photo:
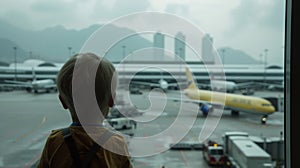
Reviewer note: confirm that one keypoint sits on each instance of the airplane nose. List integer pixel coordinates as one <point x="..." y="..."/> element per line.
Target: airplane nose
<point x="272" y="109"/>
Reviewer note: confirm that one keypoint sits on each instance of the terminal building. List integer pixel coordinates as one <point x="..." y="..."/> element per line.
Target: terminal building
<point x="153" y="71"/>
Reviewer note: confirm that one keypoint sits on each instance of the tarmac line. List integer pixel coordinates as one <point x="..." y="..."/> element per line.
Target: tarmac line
<point x="183" y="158"/>
<point x="31" y="131"/>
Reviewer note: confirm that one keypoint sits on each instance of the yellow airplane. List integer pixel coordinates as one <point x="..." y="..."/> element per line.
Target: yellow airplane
<point x="234" y="102"/>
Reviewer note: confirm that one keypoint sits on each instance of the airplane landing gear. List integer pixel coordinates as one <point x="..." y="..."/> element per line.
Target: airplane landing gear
<point x="264" y="119"/>
<point x="28" y="90"/>
<point x="235" y="113"/>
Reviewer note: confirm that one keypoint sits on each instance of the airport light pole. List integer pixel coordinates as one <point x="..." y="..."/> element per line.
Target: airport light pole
<point x="180" y="56"/>
<point x="30" y="54"/>
<point x="15" y="60"/>
<point x="265" y="64"/>
<point x="69" y="48"/>
<point x="261" y="59"/>
<point x="124" y="54"/>
<point x="223" y="56"/>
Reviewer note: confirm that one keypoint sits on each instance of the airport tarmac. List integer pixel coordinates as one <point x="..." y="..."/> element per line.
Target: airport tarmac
<point x="27" y="120"/>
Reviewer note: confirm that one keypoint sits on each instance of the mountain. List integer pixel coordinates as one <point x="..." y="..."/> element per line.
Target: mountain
<point x="8" y="52"/>
<point x="51" y="44"/>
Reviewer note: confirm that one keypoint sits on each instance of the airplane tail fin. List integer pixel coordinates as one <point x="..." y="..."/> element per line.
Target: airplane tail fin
<point x="191" y="83"/>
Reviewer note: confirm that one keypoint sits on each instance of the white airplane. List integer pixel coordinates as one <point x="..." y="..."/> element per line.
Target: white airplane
<point x="276" y="86"/>
<point x="269" y="86"/>
<point x="230" y="86"/>
<point x="46" y="85"/>
<point x="234" y="102"/>
<point x="162" y="84"/>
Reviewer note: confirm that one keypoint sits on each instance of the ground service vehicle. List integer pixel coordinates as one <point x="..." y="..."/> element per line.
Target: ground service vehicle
<point x="121" y="123"/>
<point x="241" y="151"/>
<point x="213" y="153"/>
<point x="125" y="110"/>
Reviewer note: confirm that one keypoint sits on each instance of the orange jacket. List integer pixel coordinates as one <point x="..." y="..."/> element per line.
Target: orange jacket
<point x="56" y="153"/>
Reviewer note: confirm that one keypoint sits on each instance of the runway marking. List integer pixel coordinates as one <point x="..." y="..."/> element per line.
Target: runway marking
<point x="31" y="131"/>
<point x="183" y="158"/>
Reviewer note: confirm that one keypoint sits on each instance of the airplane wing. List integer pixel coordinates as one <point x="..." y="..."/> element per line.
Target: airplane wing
<point x="177" y="84"/>
<point x="272" y="86"/>
<point x="145" y="83"/>
<point x="205" y="107"/>
<point x="246" y="85"/>
<point x="50" y="86"/>
<point x="16" y="84"/>
<point x="186" y="99"/>
<point x="26" y="85"/>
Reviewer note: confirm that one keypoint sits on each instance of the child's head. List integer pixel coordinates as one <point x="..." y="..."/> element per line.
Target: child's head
<point x="103" y="81"/>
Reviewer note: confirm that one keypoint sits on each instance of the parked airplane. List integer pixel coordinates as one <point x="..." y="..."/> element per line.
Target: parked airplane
<point x="35" y="85"/>
<point x="274" y="86"/>
<point x="234" y="102"/>
<point x="162" y="84"/>
<point x="229" y="86"/>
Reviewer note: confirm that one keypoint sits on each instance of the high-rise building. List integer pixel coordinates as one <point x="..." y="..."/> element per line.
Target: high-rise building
<point x="159" y="46"/>
<point x="180" y="45"/>
<point x="207" y="49"/>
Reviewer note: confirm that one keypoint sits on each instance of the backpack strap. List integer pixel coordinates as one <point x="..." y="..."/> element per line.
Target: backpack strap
<point x="103" y="138"/>
<point x="73" y="150"/>
<point x="72" y="147"/>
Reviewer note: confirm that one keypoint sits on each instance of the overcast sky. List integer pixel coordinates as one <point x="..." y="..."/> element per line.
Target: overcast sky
<point x="248" y="25"/>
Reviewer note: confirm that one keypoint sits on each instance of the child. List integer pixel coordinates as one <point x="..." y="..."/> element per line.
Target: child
<point x="73" y="146"/>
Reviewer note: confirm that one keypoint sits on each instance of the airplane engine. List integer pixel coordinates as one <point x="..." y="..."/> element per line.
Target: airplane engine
<point x="206" y="108"/>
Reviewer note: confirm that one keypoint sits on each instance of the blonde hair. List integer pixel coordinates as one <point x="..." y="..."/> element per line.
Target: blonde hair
<point x="103" y="83"/>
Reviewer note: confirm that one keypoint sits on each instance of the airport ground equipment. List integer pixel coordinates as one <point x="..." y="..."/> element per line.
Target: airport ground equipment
<point x="125" y="110"/>
<point x="213" y="153"/>
<point x="121" y="123"/>
<point x="242" y="152"/>
<point x="135" y="90"/>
